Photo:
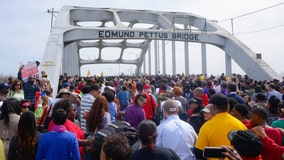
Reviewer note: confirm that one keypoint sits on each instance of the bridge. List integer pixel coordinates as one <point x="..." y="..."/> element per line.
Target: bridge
<point x="140" y="29"/>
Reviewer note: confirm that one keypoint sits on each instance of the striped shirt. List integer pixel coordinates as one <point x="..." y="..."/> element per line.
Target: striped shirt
<point x="86" y="105"/>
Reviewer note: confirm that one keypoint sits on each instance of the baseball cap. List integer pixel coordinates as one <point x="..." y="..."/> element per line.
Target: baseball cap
<point x="147" y="88"/>
<point x="219" y="99"/>
<point x="4" y="86"/>
<point x="66" y="84"/>
<point x="245" y="142"/>
<point x="170" y="106"/>
<point x="206" y="109"/>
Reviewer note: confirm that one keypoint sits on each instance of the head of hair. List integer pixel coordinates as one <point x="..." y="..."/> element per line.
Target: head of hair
<point x="65" y="104"/>
<point x="242" y="109"/>
<point x="124" y="88"/>
<point x="232" y="87"/>
<point x="116" y="147"/>
<point x="86" y="89"/>
<point x="272" y="85"/>
<point x="44" y="100"/>
<point x="232" y="102"/>
<point x="15" y="82"/>
<point x="95" y="119"/>
<point x="171" y="106"/>
<point x="261" y="112"/>
<point x="273" y="104"/>
<point x="94" y="87"/>
<point x="258" y="89"/>
<point x="110" y="96"/>
<point x="147" y="133"/>
<point x="59" y="116"/>
<point x="177" y="91"/>
<point x="26" y="134"/>
<point x="139" y="97"/>
<point x="11" y="105"/>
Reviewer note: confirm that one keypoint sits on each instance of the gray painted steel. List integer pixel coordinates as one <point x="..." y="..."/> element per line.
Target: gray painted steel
<point x="66" y="39"/>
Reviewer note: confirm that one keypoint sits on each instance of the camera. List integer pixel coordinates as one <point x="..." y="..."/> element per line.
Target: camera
<point x="213" y="152"/>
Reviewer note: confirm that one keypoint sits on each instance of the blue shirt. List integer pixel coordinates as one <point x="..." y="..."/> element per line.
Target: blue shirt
<point x="113" y="111"/>
<point x="177" y="135"/>
<point x="58" y="145"/>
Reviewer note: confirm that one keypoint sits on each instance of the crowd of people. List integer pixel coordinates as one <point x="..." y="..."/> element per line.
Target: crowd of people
<point x="175" y="117"/>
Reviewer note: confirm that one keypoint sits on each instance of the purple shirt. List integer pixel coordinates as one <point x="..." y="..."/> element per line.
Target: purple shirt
<point x="134" y="115"/>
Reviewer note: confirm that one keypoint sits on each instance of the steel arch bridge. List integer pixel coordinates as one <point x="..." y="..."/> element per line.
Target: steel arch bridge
<point x="67" y="37"/>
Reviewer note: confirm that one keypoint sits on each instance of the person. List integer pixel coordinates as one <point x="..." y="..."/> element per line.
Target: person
<point x="115" y="147"/>
<point x="147" y="134"/>
<point x="97" y="118"/>
<point x="49" y="146"/>
<point x="24" y="145"/>
<point x="135" y="113"/>
<point x="2" y="151"/>
<point x="30" y="87"/>
<point x="16" y="90"/>
<point x="175" y="133"/>
<point x="183" y="112"/>
<point x="124" y="98"/>
<point x="199" y="92"/>
<point x="4" y="90"/>
<point x="25" y="105"/>
<point x="259" y="118"/>
<point x="214" y="132"/>
<point x="272" y="108"/>
<point x="207" y="112"/>
<point x="87" y="103"/>
<point x="232" y="92"/>
<point x="280" y="122"/>
<point x="240" y="111"/>
<point x="196" y="119"/>
<point x="247" y="144"/>
<point x="150" y="105"/>
<point x="9" y="122"/>
<point x="111" y="105"/>
<point x="270" y="150"/>
<point x="70" y="125"/>
<point x="272" y="92"/>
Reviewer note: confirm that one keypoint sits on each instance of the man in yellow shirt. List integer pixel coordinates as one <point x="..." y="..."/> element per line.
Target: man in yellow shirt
<point x="2" y="153"/>
<point x="214" y="132"/>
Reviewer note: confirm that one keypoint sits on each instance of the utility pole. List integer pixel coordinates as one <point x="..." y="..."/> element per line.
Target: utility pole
<point x="52" y="11"/>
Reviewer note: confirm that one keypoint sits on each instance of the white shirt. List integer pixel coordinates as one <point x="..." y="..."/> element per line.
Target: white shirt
<point x="177" y="135"/>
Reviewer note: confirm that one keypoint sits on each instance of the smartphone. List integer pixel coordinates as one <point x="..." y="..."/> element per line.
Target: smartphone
<point x="213" y="152"/>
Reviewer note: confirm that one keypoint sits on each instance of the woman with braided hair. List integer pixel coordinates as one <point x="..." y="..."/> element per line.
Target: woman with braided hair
<point x="24" y="145"/>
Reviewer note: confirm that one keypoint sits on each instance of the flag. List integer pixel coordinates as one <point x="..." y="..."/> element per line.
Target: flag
<point x="88" y="73"/>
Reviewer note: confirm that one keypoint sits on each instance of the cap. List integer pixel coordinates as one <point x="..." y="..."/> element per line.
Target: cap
<point x="245" y="142"/>
<point x="62" y="91"/>
<point x="147" y="88"/>
<point x="4" y="86"/>
<point x="219" y="99"/>
<point x="170" y="106"/>
<point x="196" y="100"/>
<point x="206" y="109"/>
<point x="66" y="84"/>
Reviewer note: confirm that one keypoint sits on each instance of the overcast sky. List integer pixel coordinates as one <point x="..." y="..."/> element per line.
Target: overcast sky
<point x="25" y="26"/>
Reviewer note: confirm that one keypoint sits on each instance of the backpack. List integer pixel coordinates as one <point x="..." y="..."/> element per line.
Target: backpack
<point x="119" y="127"/>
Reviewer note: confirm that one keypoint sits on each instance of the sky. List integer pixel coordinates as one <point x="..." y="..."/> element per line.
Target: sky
<point x="26" y="26"/>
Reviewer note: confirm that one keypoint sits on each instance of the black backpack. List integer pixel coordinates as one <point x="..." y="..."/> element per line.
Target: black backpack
<point x="119" y="127"/>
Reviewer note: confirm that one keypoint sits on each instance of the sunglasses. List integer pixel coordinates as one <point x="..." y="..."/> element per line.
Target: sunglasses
<point x="18" y="84"/>
<point x="25" y="107"/>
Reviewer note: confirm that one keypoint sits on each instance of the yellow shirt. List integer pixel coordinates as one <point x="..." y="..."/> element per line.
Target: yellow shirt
<point x="2" y="153"/>
<point x="214" y="132"/>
